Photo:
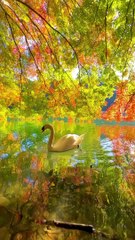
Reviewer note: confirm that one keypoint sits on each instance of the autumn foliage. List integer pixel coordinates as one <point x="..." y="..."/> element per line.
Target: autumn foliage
<point x="43" y="42"/>
<point x="124" y="106"/>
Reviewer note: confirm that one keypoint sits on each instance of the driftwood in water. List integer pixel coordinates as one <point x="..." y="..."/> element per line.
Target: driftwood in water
<point x="74" y="226"/>
<point x="69" y="225"/>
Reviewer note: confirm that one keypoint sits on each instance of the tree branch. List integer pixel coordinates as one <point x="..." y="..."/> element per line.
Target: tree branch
<point x="129" y="101"/>
<point x="20" y="58"/>
<point x="106" y="13"/>
<point x="126" y="21"/>
<point x="54" y="29"/>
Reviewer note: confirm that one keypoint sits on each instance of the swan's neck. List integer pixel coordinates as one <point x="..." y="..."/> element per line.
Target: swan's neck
<point x="51" y="138"/>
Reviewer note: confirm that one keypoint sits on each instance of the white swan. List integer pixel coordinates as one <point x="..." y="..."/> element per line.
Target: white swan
<point x="67" y="142"/>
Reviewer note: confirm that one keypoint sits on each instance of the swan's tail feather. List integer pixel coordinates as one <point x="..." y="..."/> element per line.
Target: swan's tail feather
<point x="79" y="140"/>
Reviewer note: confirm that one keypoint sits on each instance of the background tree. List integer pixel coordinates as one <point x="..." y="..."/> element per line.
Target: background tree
<point x="43" y="43"/>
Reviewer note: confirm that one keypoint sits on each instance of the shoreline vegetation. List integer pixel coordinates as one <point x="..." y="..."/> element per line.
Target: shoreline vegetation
<point x="69" y="120"/>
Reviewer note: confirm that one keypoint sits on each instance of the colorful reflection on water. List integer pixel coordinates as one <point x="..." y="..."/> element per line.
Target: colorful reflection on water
<point x="95" y="185"/>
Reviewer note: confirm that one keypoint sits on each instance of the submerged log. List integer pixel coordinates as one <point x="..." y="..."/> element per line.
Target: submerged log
<point x="75" y="226"/>
<point x="68" y="225"/>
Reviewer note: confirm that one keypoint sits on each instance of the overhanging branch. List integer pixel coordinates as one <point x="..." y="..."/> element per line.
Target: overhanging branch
<point x="54" y="29"/>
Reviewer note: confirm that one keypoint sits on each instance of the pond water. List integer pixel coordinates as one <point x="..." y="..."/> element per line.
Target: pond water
<point x="94" y="185"/>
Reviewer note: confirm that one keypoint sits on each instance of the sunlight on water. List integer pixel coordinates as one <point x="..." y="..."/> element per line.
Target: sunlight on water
<point x="107" y="146"/>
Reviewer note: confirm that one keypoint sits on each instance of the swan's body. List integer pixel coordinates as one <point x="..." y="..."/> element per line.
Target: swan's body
<point x="67" y="142"/>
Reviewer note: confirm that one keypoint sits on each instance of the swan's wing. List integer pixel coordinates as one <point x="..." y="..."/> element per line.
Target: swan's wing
<point x="68" y="141"/>
<point x="79" y="139"/>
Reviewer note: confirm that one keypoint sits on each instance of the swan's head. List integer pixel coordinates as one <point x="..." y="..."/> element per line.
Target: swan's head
<point x="43" y="128"/>
<point x="46" y="126"/>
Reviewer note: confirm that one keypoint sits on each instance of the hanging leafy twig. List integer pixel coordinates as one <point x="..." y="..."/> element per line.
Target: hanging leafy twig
<point x="106" y="13"/>
<point x="27" y="43"/>
<point x="20" y="55"/>
<point x="30" y="51"/>
<point x="54" y="29"/>
<point x="132" y="24"/>
<point x="13" y="37"/>
<point x="126" y="21"/>
<point x="43" y="35"/>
